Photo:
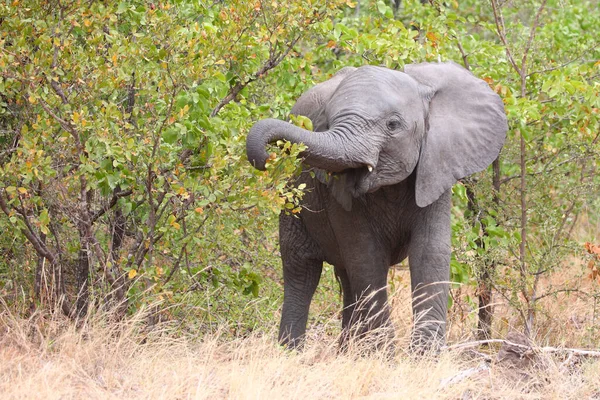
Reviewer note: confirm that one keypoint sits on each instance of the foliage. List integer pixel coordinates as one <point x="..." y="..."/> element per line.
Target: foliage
<point x="123" y="124"/>
<point x="122" y="157"/>
<point x="549" y="86"/>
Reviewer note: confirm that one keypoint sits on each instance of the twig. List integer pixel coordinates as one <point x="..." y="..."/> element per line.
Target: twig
<point x="177" y="264"/>
<point x="569" y="291"/>
<point x="463" y="54"/>
<point x="462" y="375"/>
<point x="577" y="58"/>
<point x="499" y="19"/>
<point x="271" y="63"/>
<point x="546" y="349"/>
<point x="64" y="124"/>
<point x="532" y="32"/>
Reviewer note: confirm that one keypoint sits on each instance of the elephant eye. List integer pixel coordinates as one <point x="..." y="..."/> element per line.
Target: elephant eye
<point x="394" y="124"/>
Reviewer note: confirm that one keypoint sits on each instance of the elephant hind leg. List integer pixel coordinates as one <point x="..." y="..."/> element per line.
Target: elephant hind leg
<point x="366" y="318"/>
<point x="302" y="266"/>
<point x="348" y="296"/>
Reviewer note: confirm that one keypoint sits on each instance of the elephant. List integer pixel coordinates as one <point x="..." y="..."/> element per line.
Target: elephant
<point x="386" y="149"/>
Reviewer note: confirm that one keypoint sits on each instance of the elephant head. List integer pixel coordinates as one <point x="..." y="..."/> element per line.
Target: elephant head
<point x="376" y="126"/>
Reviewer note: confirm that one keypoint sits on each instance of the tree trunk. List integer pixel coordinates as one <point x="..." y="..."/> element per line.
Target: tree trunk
<point x="82" y="279"/>
<point x="485" y="287"/>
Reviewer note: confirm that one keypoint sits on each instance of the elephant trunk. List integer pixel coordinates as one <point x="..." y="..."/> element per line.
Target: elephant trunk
<point x="327" y="150"/>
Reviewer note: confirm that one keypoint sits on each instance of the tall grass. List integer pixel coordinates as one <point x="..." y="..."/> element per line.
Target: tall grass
<point x="48" y="357"/>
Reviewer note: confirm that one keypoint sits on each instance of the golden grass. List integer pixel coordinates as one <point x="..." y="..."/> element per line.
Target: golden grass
<point x="49" y="358"/>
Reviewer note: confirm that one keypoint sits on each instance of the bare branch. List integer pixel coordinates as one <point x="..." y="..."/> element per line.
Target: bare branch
<point x="177" y="264"/>
<point x="546" y="349"/>
<point x="566" y="290"/>
<point x="64" y="124"/>
<point x="532" y="32"/>
<point x="463" y="54"/>
<point x="29" y="233"/>
<point x="151" y="175"/>
<point x="271" y="63"/>
<point x="577" y="58"/>
<point x="499" y="20"/>
<point x="110" y="204"/>
<point x="56" y="86"/>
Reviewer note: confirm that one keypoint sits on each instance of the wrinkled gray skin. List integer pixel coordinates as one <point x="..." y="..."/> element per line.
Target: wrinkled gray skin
<point x="387" y="149"/>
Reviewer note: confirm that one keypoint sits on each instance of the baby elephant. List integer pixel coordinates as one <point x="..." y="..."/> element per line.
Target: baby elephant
<point x="387" y="148"/>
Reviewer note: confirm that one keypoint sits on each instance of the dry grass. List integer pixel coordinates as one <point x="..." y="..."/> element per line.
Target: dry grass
<point x="48" y="358"/>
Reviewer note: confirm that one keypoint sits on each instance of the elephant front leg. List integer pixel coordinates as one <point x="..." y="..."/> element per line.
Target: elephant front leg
<point x="300" y="280"/>
<point x="430" y="302"/>
<point x="302" y="267"/>
<point x="429" y="262"/>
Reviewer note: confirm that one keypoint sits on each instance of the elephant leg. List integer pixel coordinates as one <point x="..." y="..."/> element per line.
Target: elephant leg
<point x="349" y="306"/>
<point x="348" y="297"/>
<point x="429" y="262"/>
<point x="368" y="317"/>
<point x="302" y="265"/>
<point x="430" y="304"/>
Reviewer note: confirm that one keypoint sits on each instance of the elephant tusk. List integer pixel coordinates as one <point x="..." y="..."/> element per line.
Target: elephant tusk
<point x="370" y="168"/>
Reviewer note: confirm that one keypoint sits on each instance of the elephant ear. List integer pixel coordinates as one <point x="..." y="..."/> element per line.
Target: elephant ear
<point x="311" y="104"/>
<point x="466" y="127"/>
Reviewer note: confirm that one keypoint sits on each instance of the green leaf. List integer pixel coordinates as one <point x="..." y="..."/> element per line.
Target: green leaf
<point x="302" y="121"/>
<point x="123" y="6"/>
<point x="382" y="7"/>
<point x="170" y="135"/>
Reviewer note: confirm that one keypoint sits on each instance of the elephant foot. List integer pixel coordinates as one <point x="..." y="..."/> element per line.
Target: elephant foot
<point x="291" y="343"/>
<point x="426" y="342"/>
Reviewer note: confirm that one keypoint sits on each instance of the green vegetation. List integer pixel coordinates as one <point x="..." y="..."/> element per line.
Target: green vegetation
<point x="123" y="178"/>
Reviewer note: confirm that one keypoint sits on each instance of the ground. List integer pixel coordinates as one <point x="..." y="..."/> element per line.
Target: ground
<point x="48" y="357"/>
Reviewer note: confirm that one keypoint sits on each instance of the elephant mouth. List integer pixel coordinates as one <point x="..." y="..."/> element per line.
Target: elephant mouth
<point x="369" y="179"/>
<point x="360" y="181"/>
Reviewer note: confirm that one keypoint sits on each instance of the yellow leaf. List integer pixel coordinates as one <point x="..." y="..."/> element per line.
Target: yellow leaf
<point x="432" y="37"/>
<point x="22" y="190"/>
<point x="132" y="273"/>
<point x="199" y="210"/>
<point x="87" y="22"/>
<point x="220" y="62"/>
